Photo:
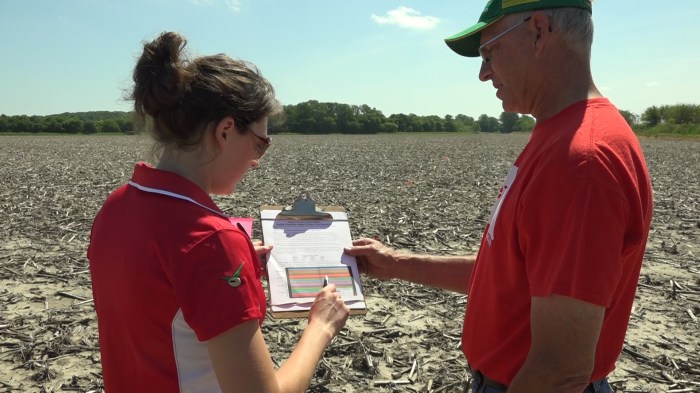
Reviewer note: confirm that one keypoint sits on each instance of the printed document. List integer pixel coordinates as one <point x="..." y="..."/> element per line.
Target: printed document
<point x="306" y="253"/>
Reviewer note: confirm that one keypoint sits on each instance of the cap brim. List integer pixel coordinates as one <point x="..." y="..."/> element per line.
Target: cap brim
<point x="466" y="43"/>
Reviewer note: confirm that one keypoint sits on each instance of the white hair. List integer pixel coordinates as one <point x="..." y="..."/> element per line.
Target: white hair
<point x="574" y="24"/>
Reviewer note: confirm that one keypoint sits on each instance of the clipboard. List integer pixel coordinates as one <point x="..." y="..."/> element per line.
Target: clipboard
<point x="308" y="249"/>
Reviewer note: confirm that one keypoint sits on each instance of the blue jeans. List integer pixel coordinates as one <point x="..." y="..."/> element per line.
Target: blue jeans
<point x="599" y="386"/>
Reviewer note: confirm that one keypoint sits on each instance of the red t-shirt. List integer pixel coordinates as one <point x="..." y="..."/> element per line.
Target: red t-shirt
<point x="169" y="272"/>
<point x="571" y="219"/>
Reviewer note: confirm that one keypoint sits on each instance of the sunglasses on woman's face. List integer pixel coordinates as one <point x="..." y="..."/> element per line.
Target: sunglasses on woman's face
<point x="261" y="145"/>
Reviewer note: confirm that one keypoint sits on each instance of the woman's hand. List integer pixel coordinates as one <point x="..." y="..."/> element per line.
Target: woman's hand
<point x="329" y="311"/>
<point x="262" y="251"/>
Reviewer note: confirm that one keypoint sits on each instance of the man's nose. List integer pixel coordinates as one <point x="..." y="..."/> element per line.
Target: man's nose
<point x="485" y="71"/>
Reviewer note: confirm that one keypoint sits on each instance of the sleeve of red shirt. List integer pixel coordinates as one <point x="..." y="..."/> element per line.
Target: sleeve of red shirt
<point x="573" y="238"/>
<point x="209" y="304"/>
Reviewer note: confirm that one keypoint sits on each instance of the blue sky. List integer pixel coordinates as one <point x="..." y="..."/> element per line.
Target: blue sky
<point x="77" y="55"/>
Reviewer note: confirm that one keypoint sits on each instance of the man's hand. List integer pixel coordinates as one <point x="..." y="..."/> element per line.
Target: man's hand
<point x="374" y="258"/>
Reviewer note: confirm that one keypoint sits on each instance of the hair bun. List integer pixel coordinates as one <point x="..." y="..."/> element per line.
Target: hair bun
<point x="160" y="77"/>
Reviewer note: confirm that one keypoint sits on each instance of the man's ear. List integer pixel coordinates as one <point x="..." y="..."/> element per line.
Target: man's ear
<point x="543" y="28"/>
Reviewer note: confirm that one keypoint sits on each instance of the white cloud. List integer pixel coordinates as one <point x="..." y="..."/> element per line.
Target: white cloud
<point x="407" y="18"/>
<point x="653" y="84"/>
<point x="234" y="5"/>
<point x="203" y="2"/>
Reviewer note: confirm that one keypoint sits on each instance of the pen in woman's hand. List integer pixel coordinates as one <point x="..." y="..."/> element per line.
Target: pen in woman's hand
<point x="325" y="281"/>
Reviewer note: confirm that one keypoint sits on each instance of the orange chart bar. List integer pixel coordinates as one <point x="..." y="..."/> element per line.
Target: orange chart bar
<point x="307" y="281"/>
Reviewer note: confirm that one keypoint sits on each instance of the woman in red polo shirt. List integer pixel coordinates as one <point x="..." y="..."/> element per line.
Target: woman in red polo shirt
<point x="177" y="286"/>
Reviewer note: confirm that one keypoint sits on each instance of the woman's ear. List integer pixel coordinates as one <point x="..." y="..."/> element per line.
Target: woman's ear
<point x="224" y="129"/>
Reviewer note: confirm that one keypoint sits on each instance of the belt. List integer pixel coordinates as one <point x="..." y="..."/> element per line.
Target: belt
<point x="479" y="377"/>
<point x="486" y="381"/>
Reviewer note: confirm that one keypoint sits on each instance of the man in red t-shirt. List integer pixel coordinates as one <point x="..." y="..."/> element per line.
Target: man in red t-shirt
<point x="551" y="289"/>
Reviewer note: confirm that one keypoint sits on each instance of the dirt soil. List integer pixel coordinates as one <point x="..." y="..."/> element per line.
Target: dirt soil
<point x="423" y="193"/>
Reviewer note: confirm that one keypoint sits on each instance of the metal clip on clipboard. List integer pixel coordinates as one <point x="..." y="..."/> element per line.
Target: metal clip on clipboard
<point x="304" y="208"/>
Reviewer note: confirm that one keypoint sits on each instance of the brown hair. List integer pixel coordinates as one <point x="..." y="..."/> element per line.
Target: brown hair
<point x="183" y="98"/>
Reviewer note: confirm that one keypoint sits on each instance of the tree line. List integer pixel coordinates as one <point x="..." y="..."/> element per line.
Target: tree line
<point x="313" y="117"/>
<point x="70" y="123"/>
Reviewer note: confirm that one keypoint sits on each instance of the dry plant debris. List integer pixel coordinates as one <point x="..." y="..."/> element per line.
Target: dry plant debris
<point x="422" y="193"/>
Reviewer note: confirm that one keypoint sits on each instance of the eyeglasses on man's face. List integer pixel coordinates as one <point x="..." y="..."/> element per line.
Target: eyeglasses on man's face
<point x="483" y="51"/>
<point x="261" y="144"/>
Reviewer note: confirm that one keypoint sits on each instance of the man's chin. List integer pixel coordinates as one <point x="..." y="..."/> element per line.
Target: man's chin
<point x="504" y="103"/>
<point x="509" y="107"/>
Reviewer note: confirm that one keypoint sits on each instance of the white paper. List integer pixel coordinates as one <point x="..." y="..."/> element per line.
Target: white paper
<point x="304" y="253"/>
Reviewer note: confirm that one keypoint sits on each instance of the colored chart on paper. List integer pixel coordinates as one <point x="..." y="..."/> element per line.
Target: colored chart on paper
<point x="307" y="281"/>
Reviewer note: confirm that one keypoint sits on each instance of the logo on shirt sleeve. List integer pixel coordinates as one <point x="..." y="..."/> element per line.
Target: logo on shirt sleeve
<point x="235" y="279"/>
<point x="499" y="202"/>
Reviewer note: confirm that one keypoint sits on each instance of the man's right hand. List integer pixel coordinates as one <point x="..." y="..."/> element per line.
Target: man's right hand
<point x="374" y="258"/>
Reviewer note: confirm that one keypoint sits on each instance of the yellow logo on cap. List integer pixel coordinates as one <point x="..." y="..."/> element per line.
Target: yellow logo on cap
<point x="512" y="3"/>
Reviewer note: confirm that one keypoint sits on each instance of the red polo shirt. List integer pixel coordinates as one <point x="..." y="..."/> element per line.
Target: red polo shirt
<point x="169" y="272"/>
<point x="572" y="219"/>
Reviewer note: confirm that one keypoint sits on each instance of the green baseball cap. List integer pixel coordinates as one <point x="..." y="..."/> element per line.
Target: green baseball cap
<point x="466" y="43"/>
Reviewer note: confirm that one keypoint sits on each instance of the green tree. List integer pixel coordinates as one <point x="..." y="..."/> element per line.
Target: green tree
<point x="389" y="127"/>
<point x="629" y="117"/>
<point x="525" y="123"/>
<point x="370" y="118"/>
<point x="488" y="123"/>
<point x="508" y="120"/>
<point x="126" y="125"/>
<point x="401" y="120"/>
<point x="89" y="127"/>
<point x="326" y="124"/>
<point x="353" y="127"/>
<point x="652" y="116"/>
<point x="54" y="125"/>
<point x="308" y="125"/>
<point x="449" y="124"/>
<point x="466" y="123"/>
<point x="344" y="116"/>
<point x="681" y="114"/>
<point x="73" y="125"/>
<point x="110" y="126"/>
